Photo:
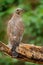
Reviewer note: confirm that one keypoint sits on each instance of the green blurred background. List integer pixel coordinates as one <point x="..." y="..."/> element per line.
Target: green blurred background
<point x="33" y="21"/>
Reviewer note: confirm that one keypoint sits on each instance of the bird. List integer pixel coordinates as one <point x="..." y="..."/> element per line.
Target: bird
<point x="15" y="30"/>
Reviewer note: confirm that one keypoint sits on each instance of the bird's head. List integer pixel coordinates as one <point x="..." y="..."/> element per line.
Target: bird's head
<point x="19" y="11"/>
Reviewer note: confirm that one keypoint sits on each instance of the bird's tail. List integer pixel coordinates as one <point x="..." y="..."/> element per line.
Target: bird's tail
<point x="14" y="53"/>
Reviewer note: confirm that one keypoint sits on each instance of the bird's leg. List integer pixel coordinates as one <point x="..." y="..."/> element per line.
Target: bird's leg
<point x="14" y="53"/>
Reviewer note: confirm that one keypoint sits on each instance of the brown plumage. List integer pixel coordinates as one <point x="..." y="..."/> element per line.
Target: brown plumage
<point x="15" y="30"/>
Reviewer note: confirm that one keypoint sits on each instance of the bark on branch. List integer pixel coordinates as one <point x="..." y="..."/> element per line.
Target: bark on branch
<point x="26" y="52"/>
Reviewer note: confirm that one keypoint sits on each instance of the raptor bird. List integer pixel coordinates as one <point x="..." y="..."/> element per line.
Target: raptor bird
<point x="15" y="30"/>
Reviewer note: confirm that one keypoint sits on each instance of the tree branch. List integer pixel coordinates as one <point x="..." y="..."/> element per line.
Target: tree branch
<point x="26" y="52"/>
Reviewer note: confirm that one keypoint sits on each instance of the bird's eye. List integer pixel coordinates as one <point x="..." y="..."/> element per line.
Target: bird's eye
<point x="17" y="10"/>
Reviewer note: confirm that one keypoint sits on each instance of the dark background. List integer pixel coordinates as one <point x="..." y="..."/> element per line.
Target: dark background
<point x="33" y="21"/>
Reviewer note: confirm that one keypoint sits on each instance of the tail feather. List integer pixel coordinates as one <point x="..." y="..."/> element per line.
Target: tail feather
<point x="14" y="53"/>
